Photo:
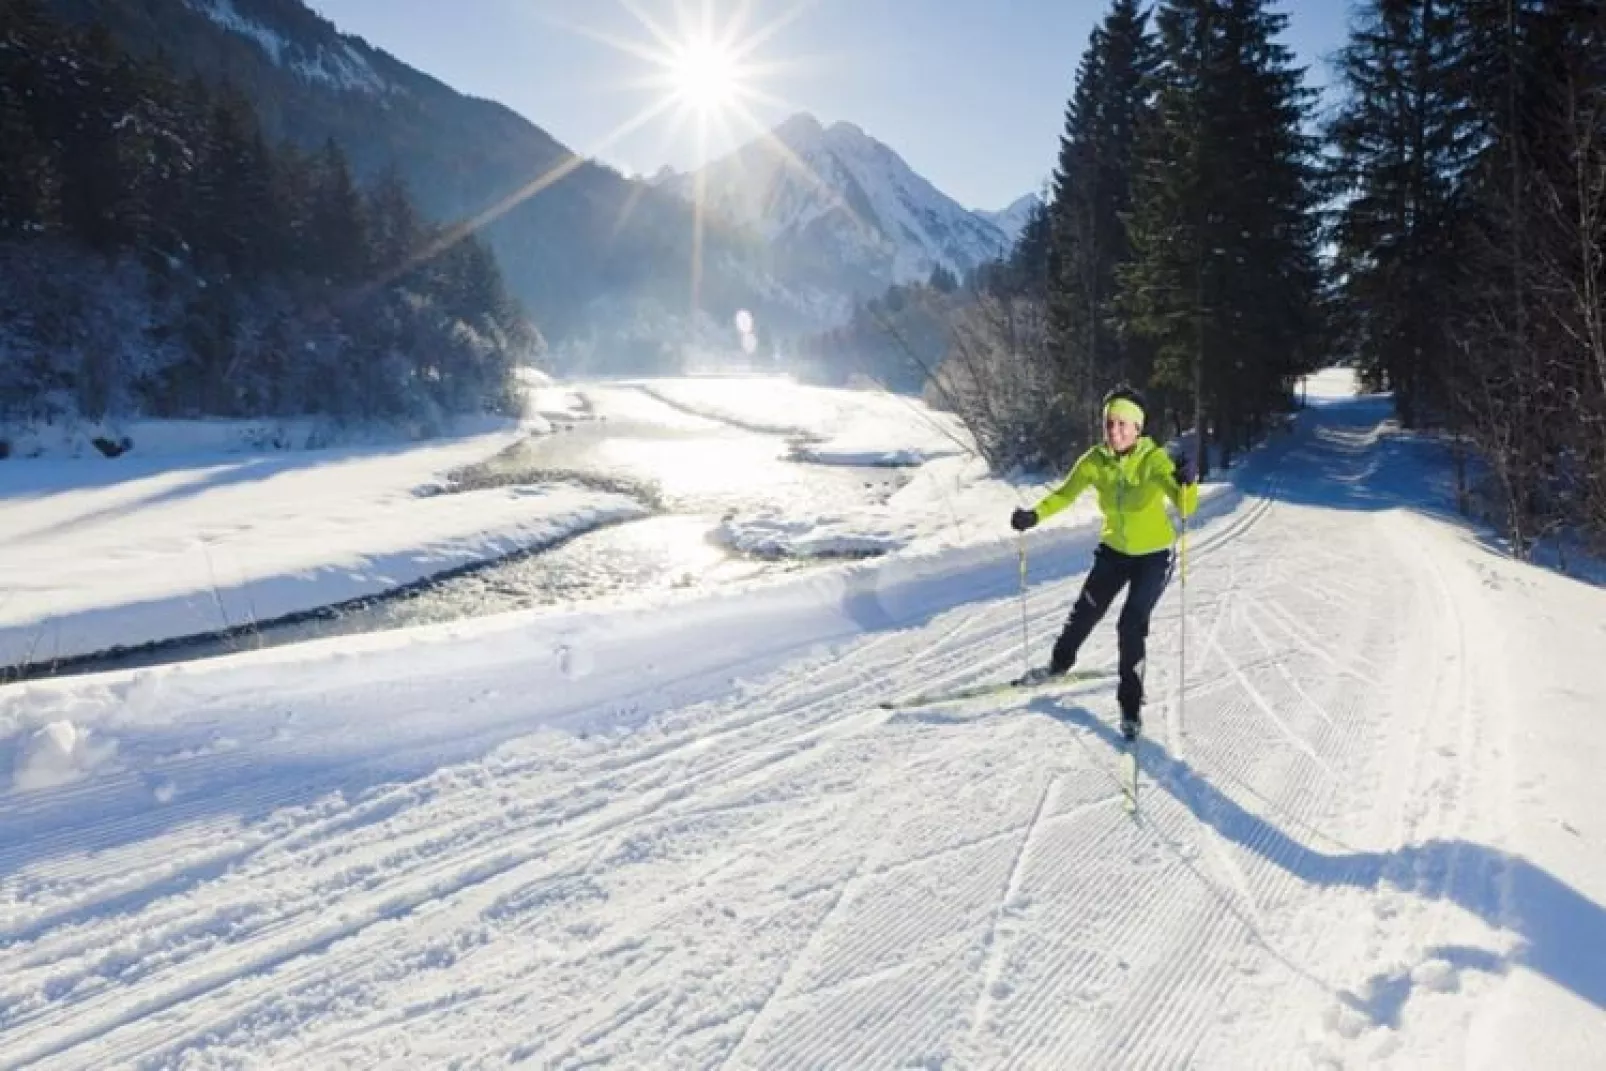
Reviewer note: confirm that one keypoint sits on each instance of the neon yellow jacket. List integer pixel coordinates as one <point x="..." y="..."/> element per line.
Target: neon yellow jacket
<point x="1130" y="487"/>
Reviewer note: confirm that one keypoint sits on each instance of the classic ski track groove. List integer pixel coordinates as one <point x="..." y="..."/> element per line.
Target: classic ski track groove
<point x="1251" y="890"/>
<point x="785" y="981"/>
<point x="1270" y="713"/>
<point x="1011" y="892"/>
<point x="1287" y="623"/>
<point x="669" y="795"/>
<point x="1441" y="810"/>
<point x="1226" y="613"/>
<point x="1282" y="669"/>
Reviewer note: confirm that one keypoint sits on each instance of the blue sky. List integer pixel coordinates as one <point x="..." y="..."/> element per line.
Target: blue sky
<point x="970" y="92"/>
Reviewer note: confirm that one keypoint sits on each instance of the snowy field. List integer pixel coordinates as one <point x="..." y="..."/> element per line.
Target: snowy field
<point x="101" y="553"/>
<point x="200" y="530"/>
<point x="843" y="427"/>
<point x="950" y="500"/>
<point x="686" y="835"/>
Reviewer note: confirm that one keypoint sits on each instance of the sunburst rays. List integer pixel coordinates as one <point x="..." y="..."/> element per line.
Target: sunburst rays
<point x="707" y="73"/>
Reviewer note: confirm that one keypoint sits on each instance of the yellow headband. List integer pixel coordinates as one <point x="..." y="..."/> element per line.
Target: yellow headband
<point x="1125" y="409"/>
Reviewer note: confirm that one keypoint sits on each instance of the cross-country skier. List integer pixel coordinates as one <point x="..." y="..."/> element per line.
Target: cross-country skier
<point x="1133" y="478"/>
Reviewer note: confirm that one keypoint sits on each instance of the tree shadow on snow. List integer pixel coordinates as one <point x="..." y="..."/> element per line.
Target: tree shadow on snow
<point x="1348" y="455"/>
<point x="1563" y="932"/>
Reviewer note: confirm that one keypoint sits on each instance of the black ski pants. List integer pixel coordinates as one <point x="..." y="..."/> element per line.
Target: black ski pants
<point x="1111" y="572"/>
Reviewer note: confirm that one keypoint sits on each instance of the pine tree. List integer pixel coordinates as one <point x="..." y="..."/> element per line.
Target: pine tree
<point x="29" y="181"/>
<point x="1093" y="186"/>
<point x="338" y="233"/>
<point x="1513" y="377"/>
<point x="1403" y="142"/>
<point x="1030" y="261"/>
<point x="98" y="190"/>
<point x="1225" y="278"/>
<point x="294" y="194"/>
<point x="1570" y="235"/>
<point x="395" y="229"/>
<point x="241" y="225"/>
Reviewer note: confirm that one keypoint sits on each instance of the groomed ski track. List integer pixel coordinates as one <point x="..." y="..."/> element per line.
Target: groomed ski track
<point x="768" y="871"/>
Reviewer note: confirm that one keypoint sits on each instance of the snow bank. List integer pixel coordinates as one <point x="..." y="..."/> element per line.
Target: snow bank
<point x="103" y="554"/>
<point x="571" y="665"/>
<point x="551" y="403"/>
<point x="176" y="439"/>
<point x="207" y="591"/>
<point x="58" y="754"/>
<point x="841" y="427"/>
<point x="848" y="450"/>
<point x="530" y="377"/>
<point x="771" y="535"/>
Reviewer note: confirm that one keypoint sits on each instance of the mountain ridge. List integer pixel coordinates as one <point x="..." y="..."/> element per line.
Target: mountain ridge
<point x="836" y="193"/>
<point x="1012" y="218"/>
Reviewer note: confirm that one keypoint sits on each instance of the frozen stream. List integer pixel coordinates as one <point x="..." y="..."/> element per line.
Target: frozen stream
<point x="691" y="471"/>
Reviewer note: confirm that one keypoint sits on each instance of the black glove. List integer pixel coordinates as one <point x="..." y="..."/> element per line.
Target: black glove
<point x="1022" y="519"/>
<point x="1185" y="470"/>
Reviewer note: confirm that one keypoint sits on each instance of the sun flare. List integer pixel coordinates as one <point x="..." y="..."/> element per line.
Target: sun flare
<point x="705" y="76"/>
<point x="709" y="74"/>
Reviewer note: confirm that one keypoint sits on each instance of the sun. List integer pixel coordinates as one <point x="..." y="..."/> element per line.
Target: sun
<point x="708" y="72"/>
<point x="705" y="76"/>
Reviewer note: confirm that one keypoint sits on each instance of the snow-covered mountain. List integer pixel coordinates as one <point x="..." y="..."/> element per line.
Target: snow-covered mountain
<point x="337" y="62"/>
<point x="1012" y="220"/>
<point x="835" y="199"/>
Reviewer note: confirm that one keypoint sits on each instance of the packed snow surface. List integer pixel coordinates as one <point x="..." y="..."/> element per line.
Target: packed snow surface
<point x="688" y="835"/>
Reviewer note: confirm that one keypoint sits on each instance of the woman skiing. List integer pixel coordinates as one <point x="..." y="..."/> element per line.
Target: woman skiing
<point x="1133" y="478"/>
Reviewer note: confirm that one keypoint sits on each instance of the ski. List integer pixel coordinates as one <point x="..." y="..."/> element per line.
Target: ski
<point x="1020" y="685"/>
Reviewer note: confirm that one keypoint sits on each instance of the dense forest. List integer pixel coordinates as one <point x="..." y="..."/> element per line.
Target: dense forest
<point x="1470" y="277"/>
<point x="159" y="256"/>
<point x="1210" y="237"/>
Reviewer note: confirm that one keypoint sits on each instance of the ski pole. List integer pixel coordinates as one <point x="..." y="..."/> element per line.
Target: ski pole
<point x="1182" y="645"/>
<point x="1025" y="645"/>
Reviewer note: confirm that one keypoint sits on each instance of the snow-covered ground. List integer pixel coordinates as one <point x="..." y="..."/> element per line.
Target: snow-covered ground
<point x="687" y="836"/>
<point x="950" y="499"/>
<point x="842" y="427"/>
<point x="206" y="527"/>
<point x="103" y="553"/>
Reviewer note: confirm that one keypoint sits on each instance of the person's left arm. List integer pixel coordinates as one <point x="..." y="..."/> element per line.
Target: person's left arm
<point x="1179" y="482"/>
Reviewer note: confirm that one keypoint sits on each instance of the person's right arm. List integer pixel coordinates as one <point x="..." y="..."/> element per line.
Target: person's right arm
<point x="1066" y="493"/>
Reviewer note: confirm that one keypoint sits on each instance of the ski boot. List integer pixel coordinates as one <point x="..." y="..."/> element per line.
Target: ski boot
<point x="1131" y="724"/>
<point x="1037" y="675"/>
